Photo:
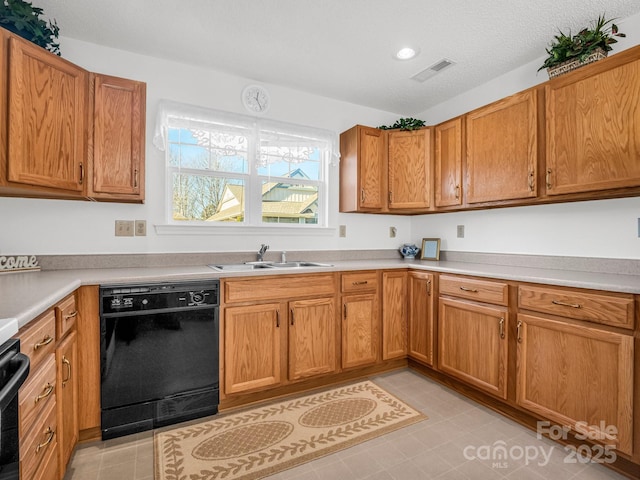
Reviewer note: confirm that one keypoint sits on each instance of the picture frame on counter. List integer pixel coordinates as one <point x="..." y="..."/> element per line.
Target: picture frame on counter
<point x="430" y="249"/>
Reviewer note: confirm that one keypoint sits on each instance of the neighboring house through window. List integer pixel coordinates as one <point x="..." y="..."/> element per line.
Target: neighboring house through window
<point x="228" y="169"/>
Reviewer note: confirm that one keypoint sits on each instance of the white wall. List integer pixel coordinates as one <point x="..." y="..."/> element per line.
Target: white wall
<point x="39" y="226"/>
<point x="604" y="228"/>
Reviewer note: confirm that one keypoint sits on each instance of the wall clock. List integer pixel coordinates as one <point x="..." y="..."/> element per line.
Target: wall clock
<point x="255" y="99"/>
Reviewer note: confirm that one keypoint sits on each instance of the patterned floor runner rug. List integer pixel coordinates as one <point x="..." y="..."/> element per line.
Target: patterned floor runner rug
<point x="263" y="441"/>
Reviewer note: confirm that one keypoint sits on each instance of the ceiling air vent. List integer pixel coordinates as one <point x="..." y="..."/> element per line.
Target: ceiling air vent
<point x="432" y="70"/>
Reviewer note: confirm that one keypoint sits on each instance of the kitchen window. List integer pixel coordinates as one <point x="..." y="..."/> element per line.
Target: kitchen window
<point x="225" y="169"/>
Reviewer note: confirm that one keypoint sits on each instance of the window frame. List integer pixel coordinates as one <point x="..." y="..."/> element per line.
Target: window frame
<point x="181" y="118"/>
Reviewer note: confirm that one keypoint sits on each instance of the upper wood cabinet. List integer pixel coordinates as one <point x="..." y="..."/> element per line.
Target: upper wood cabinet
<point x="118" y="140"/>
<point x="47" y="121"/>
<point x="593" y="127"/>
<point x="410" y="176"/>
<point x="363" y="153"/>
<point x="448" y="163"/>
<point x="67" y="133"/>
<point x="501" y="156"/>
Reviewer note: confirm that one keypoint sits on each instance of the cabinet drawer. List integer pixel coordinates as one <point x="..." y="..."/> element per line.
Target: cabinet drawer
<point x="280" y="287"/>
<point x="48" y="469"/>
<point x="36" y="392"/>
<point x="614" y="310"/>
<point x="359" y="282"/>
<point x="38" y="341"/>
<point x="66" y="314"/>
<point x="480" y="290"/>
<point x="39" y="442"/>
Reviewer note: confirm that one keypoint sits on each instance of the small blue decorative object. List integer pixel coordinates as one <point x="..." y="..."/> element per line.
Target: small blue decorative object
<point x="409" y="251"/>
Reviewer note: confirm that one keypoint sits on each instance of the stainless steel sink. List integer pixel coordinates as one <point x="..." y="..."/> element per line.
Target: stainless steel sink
<point x="300" y="264"/>
<point x="249" y="266"/>
<point x="240" y="267"/>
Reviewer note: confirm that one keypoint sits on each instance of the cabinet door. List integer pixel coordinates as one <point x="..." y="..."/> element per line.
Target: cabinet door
<point x="572" y="373"/>
<point x="394" y="315"/>
<point x="421" y="315"/>
<point x="448" y="163"/>
<point x="67" y="384"/>
<point x="47" y="119"/>
<point x="410" y="169"/>
<point x="252" y="339"/>
<point x="312" y="338"/>
<point x="472" y="344"/>
<point x="593" y="130"/>
<point x="502" y="150"/>
<point x="360" y="327"/>
<point x="371" y="167"/>
<point x="118" y="138"/>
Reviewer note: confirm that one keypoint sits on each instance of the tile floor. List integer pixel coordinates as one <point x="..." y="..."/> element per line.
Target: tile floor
<point x="434" y="448"/>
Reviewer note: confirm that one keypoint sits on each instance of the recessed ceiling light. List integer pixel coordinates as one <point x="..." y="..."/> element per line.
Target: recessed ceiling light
<point x="406" y="53"/>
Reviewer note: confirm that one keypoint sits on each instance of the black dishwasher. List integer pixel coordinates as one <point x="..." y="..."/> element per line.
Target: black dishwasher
<point x="159" y="355"/>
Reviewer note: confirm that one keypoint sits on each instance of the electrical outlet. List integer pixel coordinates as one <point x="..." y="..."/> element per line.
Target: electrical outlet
<point x="124" y="228"/>
<point x="141" y="228"/>
<point x="343" y="230"/>
<point x="460" y="231"/>
<point x="639" y="228"/>
<point x="392" y="232"/>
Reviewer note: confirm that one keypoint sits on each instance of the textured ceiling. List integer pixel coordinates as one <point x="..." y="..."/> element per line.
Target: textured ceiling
<point x="338" y="48"/>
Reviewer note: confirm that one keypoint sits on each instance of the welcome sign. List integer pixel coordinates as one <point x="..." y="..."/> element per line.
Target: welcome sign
<point x="18" y="264"/>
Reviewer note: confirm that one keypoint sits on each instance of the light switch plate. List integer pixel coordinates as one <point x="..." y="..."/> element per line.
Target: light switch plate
<point x="343" y="230"/>
<point x="392" y="232"/>
<point x="124" y="228"/>
<point x="141" y="228"/>
<point x="460" y="231"/>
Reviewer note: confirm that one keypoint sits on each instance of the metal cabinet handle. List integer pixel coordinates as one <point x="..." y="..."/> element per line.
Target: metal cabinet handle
<point x="518" y="327"/>
<point x="135" y="178"/>
<point x="51" y="433"/>
<point x="548" y="178"/>
<point x="531" y="181"/>
<point x="46" y="391"/>
<point x="45" y="341"/>
<point x="81" y="174"/>
<point x="362" y="195"/>
<point x="345" y="310"/>
<point x="364" y="282"/>
<point x="501" y="323"/>
<point x="457" y="192"/>
<point x="292" y="320"/>
<point x="564" y="304"/>
<point x="390" y="197"/>
<point x="67" y="363"/>
<point x="277" y="318"/>
<point x="466" y="289"/>
<point x="71" y="315"/>
<point x="429" y="287"/>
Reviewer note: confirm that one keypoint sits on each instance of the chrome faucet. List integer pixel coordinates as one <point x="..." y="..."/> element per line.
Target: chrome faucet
<point x="263" y="249"/>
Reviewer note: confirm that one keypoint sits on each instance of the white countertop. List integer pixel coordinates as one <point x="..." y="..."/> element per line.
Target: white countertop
<point x="23" y="296"/>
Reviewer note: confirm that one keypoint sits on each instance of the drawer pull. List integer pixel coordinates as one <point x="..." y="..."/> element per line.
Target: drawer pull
<point x="71" y="315"/>
<point x="501" y="323"/>
<point x="564" y="304"/>
<point x="67" y="363"/>
<point x="49" y="439"/>
<point x="518" y="327"/>
<point x="45" y="341"/>
<point x="362" y="282"/>
<point x="466" y="289"/>
<point x="48" y="388"/>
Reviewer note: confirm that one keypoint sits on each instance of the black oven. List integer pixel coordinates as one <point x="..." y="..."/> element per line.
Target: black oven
<point x="159" y="354"/>
<point x="14" y="368"/>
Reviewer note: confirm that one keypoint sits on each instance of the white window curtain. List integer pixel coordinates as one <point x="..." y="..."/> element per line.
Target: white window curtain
<point x="275" y="140"/>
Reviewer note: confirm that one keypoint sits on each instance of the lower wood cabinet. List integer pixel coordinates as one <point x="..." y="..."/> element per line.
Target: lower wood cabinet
<point x="394" y="314"/>
<point x="421" y="314"/>
<point x="360" y="330"/>
<point x="252" y="347"/>
<point x="577" y="376"/>
<point x="312" y="338"/>
<point x="473" y="344"/>
<point x="67" y="404"/>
